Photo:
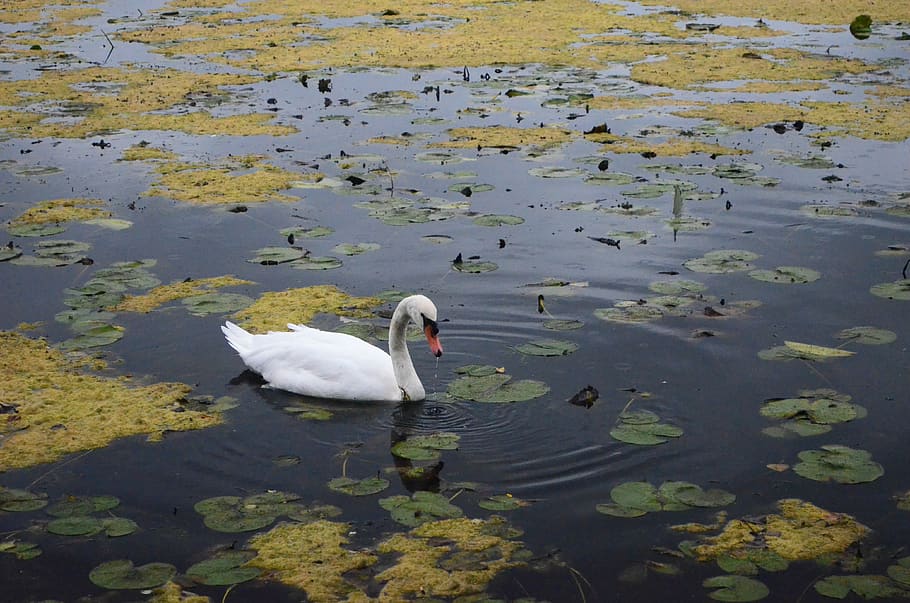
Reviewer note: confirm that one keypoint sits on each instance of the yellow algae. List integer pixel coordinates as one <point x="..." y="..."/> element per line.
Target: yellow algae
<point x="275" y="309"/>
<point x="55" y="211"/>
<point x="697" y="65"/>
<point x="311" y="557"/>
<point x="163" y="294"/>
<point x="889" y="91"/>
<point x="623" y="103"/>
<point x="447" y="558"/>
<point x="774" y="87"/>
<point x="394" y="140"/>
<point x="206" y="185"/>
<point x="64" y="409"/>
<point x="505" y="136"/>
<point x="145" y="152"/>
<point x="674" y="147"/>
<point x="801" y="531"/>
<point x="804" y="11"/>
<point x="746" y="115"/>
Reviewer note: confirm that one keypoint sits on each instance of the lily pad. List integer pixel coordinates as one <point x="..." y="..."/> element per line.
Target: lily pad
<point x="216" y="303"/>
<point x="630" y="313"/>
<point x="272" y="256"/>
<point x="223" y="569"/>
<point x="722" y="261"/>
<point x="317" y="263"/>
<point x="867" y="335"/>
<point x="86" y="525"/>
<point x="547" y="347"/>
<point x="736" y="588"/>
<point x="498" y="220"/>
<point x="502" y="502"/>
<point x="82" y="505"/>
<point x="421" y="508"/>
<point x="359" y="487"/>
<point x="817" y="352"/>
<point x="233" y="514"/>
<point x="10" y="252"/>
<point x="93" y="337"/>
<point x="495" y="388"/>
<point x="35" y="230"/>
<point x="316" y="232"/>
<point x="355" y="248"/>
<point x="437" y="239"/>
<point x="680" y="287"/>
<point x="563" y="325"/>
<point x="837" y="463"/>
<point x="556" y="172"/>
<point x="425" y="447"/>
<point x="474" y="266"/>
<point x="110" y="223"/>
<point x="899" y="289"/>
<point x="14" y="500"/>
<point x="649" y="434"/>
<point x="867" y="587"/>
<point x="22" y="550"/>
<point x="469" y="188"/>
<point x="122" y="574"/>
<point x="786" y="275"/>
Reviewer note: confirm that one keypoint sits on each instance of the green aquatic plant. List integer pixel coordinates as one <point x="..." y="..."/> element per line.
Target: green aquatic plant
<point x="634" y="499"/>
<point x="358" y="487"/>
<point x="484" y="383"/>
<point x="224" y="568"/>
<point x="547" y="347"/>
<point x="643" y="428"/>
<point x="425" y="447"/>
<point x="836" y="463"/>
<point x="420" y="508"/>
<point x="121" y="574"/>
<point x="736" y="588"/>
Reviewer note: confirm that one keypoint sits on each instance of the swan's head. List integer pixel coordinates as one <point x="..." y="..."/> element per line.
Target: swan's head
<point x="423" y="313"/>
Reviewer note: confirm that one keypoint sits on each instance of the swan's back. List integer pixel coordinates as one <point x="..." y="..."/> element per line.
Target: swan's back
<point x="317" y="363"/>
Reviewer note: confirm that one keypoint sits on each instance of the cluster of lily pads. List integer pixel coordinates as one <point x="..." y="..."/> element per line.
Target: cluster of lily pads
<point x="484" y="383"/>
<point x="812" y="412"/>
<point x="643" y="428"/>
<point x="233" y="514"/>
<point x="793" y="350"/>
<point x="634" y="499"/>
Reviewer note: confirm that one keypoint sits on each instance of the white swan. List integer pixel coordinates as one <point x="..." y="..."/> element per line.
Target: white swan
<point x="324" y="364"/>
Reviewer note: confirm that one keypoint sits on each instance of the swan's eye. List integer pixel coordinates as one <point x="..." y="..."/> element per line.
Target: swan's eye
<point x="427" y="322"/>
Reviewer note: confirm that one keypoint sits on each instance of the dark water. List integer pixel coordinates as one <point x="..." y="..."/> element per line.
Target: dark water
<point x="547" y="451"/>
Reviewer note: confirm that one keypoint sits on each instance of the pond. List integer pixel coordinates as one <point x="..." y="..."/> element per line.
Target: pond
<point x="669" y="253"/>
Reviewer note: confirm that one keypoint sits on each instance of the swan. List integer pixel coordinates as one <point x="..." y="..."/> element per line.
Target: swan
<point x="339" y="366"/>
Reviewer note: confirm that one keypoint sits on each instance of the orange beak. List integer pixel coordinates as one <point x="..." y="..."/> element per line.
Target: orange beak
<point x="431" y="332"/>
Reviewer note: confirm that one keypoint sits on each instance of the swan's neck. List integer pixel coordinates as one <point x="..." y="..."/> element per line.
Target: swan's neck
<point x="405" y="375"/>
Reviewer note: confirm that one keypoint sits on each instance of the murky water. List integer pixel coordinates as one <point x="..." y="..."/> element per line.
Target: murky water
<point x="559" y="457"/>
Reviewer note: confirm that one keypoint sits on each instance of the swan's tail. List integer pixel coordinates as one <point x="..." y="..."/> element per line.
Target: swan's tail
<point x="237" y="337"/>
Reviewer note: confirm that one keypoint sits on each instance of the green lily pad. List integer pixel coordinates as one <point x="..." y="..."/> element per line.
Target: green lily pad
<point x="867" y="335"/>
<point x="10" y="252"/>
<point x="496" y="388"/>
<point x="616" y="510"/>
<point x="110" y="223"/>
<point x="14" y="500"/>
<point x="316" y="232"/>
<point x="547" y="347"/>
<point x="469" y="188"/>
<point x="502" y="502"/>
<point x="474" y="266"/>
<point x="421" y="508"/>
<point x="359" y="487"/>
<point x="695" y="496"/>
<point x="216" y="303"/>
<point x="680" y="287"/>
<point x="630" y="313"/>
<point x="272" y="256"/>
<point x="736" y="565"/>
<point x="636" y="495"/>
<point x="22" y="550"/>
<point x="649" y="434"/>
<point x="308" y="412"/>
<point x="498" y="220"/>
<point x="900" y="572"/>
<point x="437" y="239"/>
<point x="425" y="447"/>
<point x="795" y="350"/>
<point x="611" y="179"/>
<point x="35" y="230"/>
<point x="86" y="525"/>
<point x="312" y="513"/>
<point x="122" y="574"/>
<point x="899" y="289"/>
<point x="71" y="506"/>
<point x="441" y="157"/>
<point x="97" y="336"/>
<point x="224" y="569"/>
<point x="786" y="275"/>
<point x="317" y="263"/>
<point x="556" y="172"/>
<point x="115" y="527"/>
<point x="355" y="248"/>
<point x="722" y="261"/>
<point x="736" y="588"/>
<point x="867" y="587"/>
<point x="233" y="514"/>
<point x="812" y="162"/>
<point x="837" y="463"/>
<point x="563" y="325"/>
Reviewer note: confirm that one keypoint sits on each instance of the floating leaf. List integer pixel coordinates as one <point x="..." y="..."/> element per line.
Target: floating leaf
<point x="867" y="587"/>
<point x="82" y="505"/>
<point x="9" y="252"/>
<point x="496" y="388"/>
<point x="838" y="463"/>
<point x="469" y="188"/>
<point x="681" y="287"/>
<point x="96" y="336"/>
<point x="642" y="428"/>
<point x="556" y="172"/>
<point x="722" y="260"/>
<point x="109" y="223"/>
<point x="216" y="303"/>
<point x="636" y="495"/>
<point x="224" y="569"/>
<point x="22" y="550"/>
<point x="234" y="514"/>
<point x="316" y="263"/>
<point x="437" y="239"/>
<point x="547" y="347"/>
<point x="563" y="325"/>
<point x="867" y="335"/>
<point x="502" y="502"/>
<point x="817" y="352"/>
<point x="307" y="233"/>
<point x="787" y="275"/>
<point x="899" y="289"/>
<point x="736" y="588"/>
<point x="359" y="487"/>
<point x="35" y="230"/>
<point x="498" y="220"/>
<point x="421" y="508"/>
<point x="425" y="447"/>
<point x="272" y="256"/>
<point x="616" y="510"/>
<point x="122" y="574"/>
<point x="474" y="266"/>
<point x="14" y="500"/>
<point x="355" y="248"/>
<point x="630" y="313"/>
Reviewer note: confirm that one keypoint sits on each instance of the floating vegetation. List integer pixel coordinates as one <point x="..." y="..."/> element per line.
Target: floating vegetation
<point x="21" y="549"/>
<point x="316" y="232"/>
<point x="316" y="263"/>
<point x="122" y="575"/>
<point x="235" y="514"/>
<point x="811" y="413"/>
<point x="223" y="569"/>
<point x="56" y="252"/>
<point x="800" y="531"/>
<point x="502" y="502"/>
<point x="85" y="525"/>
<point x="555" y="324"/>
<point x="504" y="137"/>
<point x="259" y="182"/>
<point x="867" y="587"/>
<point x="197" y="294"/>
<point x="793" y="350"/>
<point x="272" y="256"/>
<point x="359" y="487"/>
<point x="631" y="312"/>
<point x="54" y="212"/>
<point x="274" y="310"/>
<point x="474" y="266"/>
<point x="867" y="335"/>
<point x="642" y="427"/>
<point x="736" y="588"/>
<point x="498" y="220"/>
<point x="420" y="508"/>
<point x="899" y="290"/>
<point x="557" y="172"/>
<point x="93" y="410"/>
<point x="821" y="210"/>
<point x="722" y="261"/>
<point x="634" y="499"/>
<point x="679" y="287"/>
<point x="354" y="248"/>
<point x="484" y="383"/>
<point x="836" y="463"/>
<point x="786" y="275"/>
<point x="547" y="347"/>
<point x="425" y="447"/>
<point x="14" y="500"/>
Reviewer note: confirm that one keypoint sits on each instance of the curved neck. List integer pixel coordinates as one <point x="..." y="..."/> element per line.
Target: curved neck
<point x="402" y="365"/>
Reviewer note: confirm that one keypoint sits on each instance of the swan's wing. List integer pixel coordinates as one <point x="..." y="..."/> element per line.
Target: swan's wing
<point x="322" y="364"/>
